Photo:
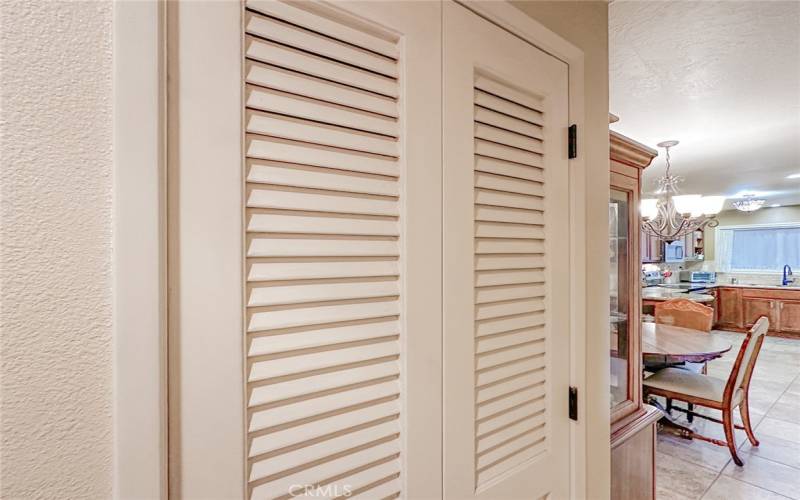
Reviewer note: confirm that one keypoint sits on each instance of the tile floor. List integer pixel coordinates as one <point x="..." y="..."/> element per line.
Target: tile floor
<point x="698" y="470"/>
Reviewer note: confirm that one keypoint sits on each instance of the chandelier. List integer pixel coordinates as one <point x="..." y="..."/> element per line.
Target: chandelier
<point x="748" y="203"/>
<point x="671" y="216"/>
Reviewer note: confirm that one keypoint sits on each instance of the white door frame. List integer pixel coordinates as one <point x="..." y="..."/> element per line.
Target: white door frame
<point x="140" y="465"/>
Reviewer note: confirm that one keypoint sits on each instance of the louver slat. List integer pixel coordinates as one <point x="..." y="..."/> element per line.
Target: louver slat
<point x="294" y="14"/>
<point x="320" y="201"/>
<point x="291" y="340"/>
<point x="316" y="133"/>
<point x="279" y="270"/>
<point x="291" y="175"/>
<point x="327" y="467"/>
<point x="323" y="246"/>
<point x="319" y="155"/>
<point x="284" y="103"/>
<point x="310" y="41"/>
<point x="510" y="287"/>
<point x="311" y="64"/>
<point x="273" y="77"/>
<point x="277" y="440"/>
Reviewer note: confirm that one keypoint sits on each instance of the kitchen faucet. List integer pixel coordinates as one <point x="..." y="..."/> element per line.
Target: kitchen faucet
<point x="787" y="271"/>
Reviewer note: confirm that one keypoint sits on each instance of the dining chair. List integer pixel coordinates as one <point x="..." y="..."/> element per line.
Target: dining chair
<point x="687" y="314"/>
<point x="712" y="392"/>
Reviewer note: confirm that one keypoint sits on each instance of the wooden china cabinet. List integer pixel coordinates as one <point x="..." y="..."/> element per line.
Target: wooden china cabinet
<point x="633" y="423"/>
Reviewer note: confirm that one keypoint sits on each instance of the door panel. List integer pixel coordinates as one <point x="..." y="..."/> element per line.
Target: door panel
<point x="506" y="363"/>
<point x="312" y="364"/>
<point x="342" y="321"/>
<point x="789" y="316"/>
<point x="755" y="308"/>
<point x="729" y="304"/>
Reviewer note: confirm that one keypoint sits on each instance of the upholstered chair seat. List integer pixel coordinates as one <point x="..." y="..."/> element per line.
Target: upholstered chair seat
<point x="692" y="384"/>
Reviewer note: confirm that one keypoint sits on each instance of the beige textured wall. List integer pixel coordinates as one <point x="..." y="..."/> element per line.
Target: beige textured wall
<point x="763" y="216"/>
<point x="55" y="253"/>
<point x="585" y="25"/>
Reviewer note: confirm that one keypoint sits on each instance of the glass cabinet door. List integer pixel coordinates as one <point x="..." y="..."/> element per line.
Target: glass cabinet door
<point x="619" y="282"/>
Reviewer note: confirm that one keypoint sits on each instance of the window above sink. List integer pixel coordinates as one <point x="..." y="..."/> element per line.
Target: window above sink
<point x="758" y="248"/>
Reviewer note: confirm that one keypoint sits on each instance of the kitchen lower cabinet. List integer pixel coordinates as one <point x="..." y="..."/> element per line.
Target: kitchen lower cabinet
<point x="754" y="308"/>
<point x="738" y="308"/>
<point x="729" y="307"/>
<point x="789" y="316"/>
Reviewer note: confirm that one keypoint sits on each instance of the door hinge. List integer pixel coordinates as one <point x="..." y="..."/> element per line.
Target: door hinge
<point x="573" y="142"/>
<point x="573" y="403"/>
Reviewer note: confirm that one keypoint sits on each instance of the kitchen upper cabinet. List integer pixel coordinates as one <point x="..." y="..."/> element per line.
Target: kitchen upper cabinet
<point x="789" y="315"/>
<point x="652" y="249"/>
<point x="694" y="246"/>
<point x="729" y="307"/>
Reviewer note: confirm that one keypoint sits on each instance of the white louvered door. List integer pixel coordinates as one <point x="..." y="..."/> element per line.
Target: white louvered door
<point x="506" y="268"/>
<point x="306" y="261"/>
<point x="342" y="180"/>
<point x="337" y="223"/>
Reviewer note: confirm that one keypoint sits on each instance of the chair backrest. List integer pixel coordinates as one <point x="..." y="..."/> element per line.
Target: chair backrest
<point x="685" y="313"/>
<point x="742" y="369"/>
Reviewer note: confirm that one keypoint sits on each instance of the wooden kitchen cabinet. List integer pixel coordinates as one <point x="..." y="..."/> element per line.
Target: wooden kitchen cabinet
<point x="652" y="249"/>
<point x="738" y="309"/>
<point x="694" y="246"/>
<point x="754" y="308"/>
<point x="789" y="316"/>
<point x="729" y="308"/>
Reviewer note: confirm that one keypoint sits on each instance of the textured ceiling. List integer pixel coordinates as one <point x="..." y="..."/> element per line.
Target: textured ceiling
<point x="721" y="77"/>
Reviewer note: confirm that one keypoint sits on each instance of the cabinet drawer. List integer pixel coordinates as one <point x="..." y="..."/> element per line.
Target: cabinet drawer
<point x="771" y="293"/>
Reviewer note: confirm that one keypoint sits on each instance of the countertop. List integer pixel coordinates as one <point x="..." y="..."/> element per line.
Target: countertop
<point x="794" y="286"/>
<point x="657" y="293"/>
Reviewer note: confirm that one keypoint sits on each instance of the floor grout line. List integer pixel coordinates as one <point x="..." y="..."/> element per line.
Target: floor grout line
<point x="749" y="484"/>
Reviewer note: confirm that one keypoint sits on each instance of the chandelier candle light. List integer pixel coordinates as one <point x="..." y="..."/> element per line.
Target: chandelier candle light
<point x="748" y="203"/>
<point x="671" y="215"/>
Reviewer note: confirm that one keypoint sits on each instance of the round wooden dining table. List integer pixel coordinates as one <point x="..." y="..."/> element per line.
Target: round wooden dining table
<point x="666" y="344"/>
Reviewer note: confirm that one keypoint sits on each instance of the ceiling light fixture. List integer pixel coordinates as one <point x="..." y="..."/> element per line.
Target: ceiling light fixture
<point x="671" y="216"/>
<point x="775" y="205"/>
<point x="793" y="176"/>
<point x="748" y="203"/>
